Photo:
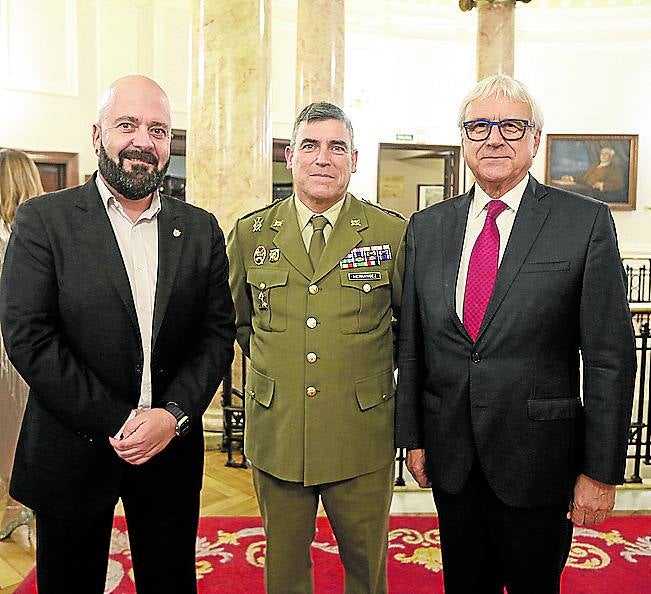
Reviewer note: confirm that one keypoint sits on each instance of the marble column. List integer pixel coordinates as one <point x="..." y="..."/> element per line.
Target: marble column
<point x="228" y="150"/>
<point x="320" y="42"/>
<point x="495" y="38"/>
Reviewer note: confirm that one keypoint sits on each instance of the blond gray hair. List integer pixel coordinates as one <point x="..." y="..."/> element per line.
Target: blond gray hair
<point x="501" y="85"/>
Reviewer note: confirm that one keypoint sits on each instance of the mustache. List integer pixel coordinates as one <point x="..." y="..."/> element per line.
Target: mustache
<point x="143" y="156"/>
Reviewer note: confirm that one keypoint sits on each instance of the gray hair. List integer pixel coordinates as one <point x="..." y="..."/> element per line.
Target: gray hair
<point x="502" y="85"/>
<point x="322" y="111"/>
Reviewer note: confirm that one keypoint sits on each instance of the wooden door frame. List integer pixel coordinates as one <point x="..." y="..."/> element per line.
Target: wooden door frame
<point x="443" y="148"/>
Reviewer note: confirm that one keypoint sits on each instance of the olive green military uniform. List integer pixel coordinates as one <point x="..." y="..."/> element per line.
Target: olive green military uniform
<point x="320" y="395"/>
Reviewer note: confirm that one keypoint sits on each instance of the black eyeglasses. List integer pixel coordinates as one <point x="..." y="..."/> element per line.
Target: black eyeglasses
<point x="510" y="129"/>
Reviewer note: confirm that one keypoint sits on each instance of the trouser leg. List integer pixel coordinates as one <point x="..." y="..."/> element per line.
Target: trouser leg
<point x="358" y="510"/>
<point x="88" y="537"/>
<point x="289" y="515"/>
<point x="162" y="526"/>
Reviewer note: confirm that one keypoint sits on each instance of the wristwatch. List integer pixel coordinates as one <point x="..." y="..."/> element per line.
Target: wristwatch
<point x="182" y="420"/>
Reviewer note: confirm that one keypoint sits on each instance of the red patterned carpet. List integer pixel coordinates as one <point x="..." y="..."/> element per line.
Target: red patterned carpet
<point x="615" y="559"/>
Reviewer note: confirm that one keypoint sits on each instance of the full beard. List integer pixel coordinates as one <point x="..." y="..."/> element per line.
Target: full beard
<point x="138" y="183"/>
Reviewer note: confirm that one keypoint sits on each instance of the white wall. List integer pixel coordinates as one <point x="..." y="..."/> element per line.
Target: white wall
<point x="408" y="65"/>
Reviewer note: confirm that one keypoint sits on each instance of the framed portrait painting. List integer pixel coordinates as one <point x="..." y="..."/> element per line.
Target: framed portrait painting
<point x="603" y="166"/>
<point x="429" y="194"/>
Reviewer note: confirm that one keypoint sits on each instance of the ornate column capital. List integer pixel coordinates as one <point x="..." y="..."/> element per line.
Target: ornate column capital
<point x="466" y="5"/>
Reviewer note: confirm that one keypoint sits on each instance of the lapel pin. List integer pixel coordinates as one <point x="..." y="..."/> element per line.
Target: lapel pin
<point x="176" y="233"/>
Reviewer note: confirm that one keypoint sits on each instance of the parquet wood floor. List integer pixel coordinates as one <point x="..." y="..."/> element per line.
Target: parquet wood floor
<point x="226" y="492"/>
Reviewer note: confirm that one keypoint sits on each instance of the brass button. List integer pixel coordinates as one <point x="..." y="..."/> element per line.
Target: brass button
<point x="366" y="288"/>
<point x="252" y="393"/>
<point x="263" y="286"/>
<point x="311" y="357"/>
<point x="311" y="391"/>
<point x="311" y="322"/>
<point x="313" y="289"/>
<point x="385" y="396"/>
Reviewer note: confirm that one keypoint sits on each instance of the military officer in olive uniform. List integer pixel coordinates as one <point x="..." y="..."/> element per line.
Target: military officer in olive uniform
<point x="316" y="280"/>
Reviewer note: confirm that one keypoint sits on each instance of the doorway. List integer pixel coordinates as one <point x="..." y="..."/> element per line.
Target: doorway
<point x="414" y="176"/>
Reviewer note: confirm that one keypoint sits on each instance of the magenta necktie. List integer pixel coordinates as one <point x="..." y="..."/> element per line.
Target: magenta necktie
<point x="482" y="270"/>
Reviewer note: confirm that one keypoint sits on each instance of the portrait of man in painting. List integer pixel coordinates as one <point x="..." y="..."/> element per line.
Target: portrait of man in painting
<point x="599" y="166"/>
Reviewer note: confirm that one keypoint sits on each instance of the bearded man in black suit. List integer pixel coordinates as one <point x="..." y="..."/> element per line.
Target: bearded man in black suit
<point x="116" y="310"/>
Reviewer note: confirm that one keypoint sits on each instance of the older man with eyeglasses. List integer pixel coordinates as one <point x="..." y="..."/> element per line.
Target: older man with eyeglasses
<point x="507" y="288"/>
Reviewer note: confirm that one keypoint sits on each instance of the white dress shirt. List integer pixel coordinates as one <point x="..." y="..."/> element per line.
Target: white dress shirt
<point x="474" y="225"/>
<point x="138" y="243"/>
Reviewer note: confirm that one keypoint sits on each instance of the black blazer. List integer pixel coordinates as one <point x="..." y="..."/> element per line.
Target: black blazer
<point x="512" y="399"/>
<point x="70" y="328"/>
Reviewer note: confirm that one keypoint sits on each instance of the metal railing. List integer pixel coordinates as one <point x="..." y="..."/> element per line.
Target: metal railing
<point x="639" y="441"/>
<point x="639" y="436"/>
<point x="234" y="418"/>
<point x="638" y="279"/>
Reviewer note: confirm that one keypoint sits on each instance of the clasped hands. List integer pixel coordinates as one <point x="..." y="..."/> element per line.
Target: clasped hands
<point x="591" y="504"/>
<point x="145" y="435"/>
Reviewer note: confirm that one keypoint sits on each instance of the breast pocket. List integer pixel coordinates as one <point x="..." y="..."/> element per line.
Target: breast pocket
<point x="557" y="266"/>
<point x="269" y="293"/>
<point x="365" y="298"/>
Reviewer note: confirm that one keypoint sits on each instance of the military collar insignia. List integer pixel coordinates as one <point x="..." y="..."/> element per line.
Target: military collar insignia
<point x="277" y="224"/>
<point x="355" y="223"/>
<point x="257" y="224"/>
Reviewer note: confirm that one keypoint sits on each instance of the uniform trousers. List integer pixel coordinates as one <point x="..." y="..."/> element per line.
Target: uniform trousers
<point x="487" y="545"/>
<point x="162" y="520"/>
<point x="358" y="510"/>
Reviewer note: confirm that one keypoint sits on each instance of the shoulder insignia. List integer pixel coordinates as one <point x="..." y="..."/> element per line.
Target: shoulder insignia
<point x="266" y="207"/>
<point x="383" y="209"/>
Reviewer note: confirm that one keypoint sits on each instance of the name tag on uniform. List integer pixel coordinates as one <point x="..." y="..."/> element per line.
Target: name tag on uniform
<point x="364" y="276"/>
<point x="371" y="255"/>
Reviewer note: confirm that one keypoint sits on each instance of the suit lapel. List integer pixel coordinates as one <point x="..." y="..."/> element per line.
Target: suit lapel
<point x="344" y="237"/>
<point x="288" y="238"/>
<point x="452" y="245"/>
<point x="103" y="246"/>
<point x="171" y="236"/>
<point x="530" y="218"/>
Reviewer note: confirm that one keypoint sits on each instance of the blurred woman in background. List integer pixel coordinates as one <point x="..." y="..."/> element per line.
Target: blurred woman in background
<point x="19" y="181"/>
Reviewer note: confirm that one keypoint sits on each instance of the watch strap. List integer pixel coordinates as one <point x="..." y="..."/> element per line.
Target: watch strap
<point x="182" y="420"/>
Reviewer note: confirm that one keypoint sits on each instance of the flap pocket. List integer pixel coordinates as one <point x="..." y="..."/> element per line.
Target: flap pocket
<point x="375" y="390"/>
<point x="364" y="279"/>
<point x="266" y="278"/>
<point x="545" y="266"/>
<point x="432" y="402"/>
<point x="552" y="409"/>
<point x="260" y="388"/>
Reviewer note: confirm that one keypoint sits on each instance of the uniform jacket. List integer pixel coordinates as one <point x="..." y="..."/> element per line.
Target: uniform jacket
<point x="513" y="399"/>
<point x="319" y="396"/>
<point x="70" y="328"/>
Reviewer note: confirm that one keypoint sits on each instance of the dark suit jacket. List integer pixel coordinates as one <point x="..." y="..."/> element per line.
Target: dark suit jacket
<point x="512" y="399"/>
<point x="70" y="328"/>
